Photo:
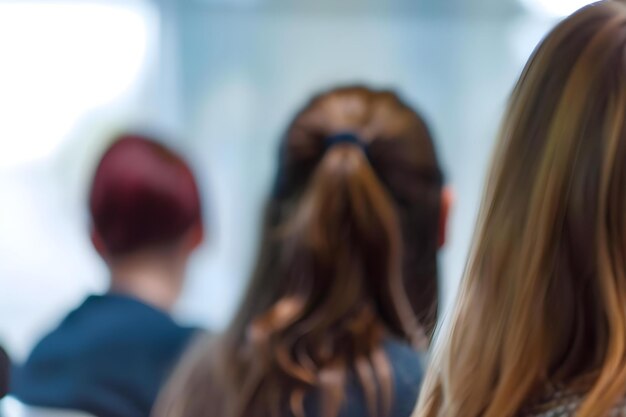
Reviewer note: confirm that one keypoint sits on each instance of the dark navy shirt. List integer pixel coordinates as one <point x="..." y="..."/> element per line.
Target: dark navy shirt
<point x="408" y="372"/>
<point x="109" y="358"/>
<point x="196" y="376"/>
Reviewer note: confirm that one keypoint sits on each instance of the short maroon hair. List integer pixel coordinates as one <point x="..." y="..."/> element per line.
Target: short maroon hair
<point x="142" y="195"/>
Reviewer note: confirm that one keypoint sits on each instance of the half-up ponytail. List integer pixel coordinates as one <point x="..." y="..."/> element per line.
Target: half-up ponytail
<point x="327" y="292"/>
<point x="342" y="255"/>
<point x="346" y="229"/>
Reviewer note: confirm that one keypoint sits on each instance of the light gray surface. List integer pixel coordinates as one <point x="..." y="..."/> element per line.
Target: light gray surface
<point x="10" y="407"/>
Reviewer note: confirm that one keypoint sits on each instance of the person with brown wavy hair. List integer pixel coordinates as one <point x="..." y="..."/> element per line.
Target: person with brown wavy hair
<point x="540" y="321"/>
<point x="326" y="327"/>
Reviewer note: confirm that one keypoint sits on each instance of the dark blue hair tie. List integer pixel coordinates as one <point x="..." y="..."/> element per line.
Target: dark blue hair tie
<point x="330" y="141"/>
<point x="345" y="137"/>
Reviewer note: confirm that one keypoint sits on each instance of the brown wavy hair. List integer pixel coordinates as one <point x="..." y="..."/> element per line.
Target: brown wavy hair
<point x="543" y="300"/>
<point x="328" y="286"/>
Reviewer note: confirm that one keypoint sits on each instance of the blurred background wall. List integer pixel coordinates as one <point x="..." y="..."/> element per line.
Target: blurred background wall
<point x="219" y="79"/>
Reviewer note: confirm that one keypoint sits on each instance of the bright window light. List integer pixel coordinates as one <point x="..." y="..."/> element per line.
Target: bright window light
<point x="58" y="60"/>
<point x="556" y="8"/>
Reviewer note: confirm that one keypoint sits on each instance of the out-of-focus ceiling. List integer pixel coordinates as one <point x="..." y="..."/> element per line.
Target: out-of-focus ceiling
<point x="474" y="8"/>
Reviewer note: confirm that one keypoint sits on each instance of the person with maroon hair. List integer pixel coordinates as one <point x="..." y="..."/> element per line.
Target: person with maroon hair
<point x="110" y="356"/>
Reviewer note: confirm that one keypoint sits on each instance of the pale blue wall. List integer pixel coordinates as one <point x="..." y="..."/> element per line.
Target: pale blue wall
<point x="225" y="83"/>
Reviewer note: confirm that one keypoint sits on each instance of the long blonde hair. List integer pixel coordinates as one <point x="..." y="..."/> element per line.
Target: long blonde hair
<point x="543" y="299"/>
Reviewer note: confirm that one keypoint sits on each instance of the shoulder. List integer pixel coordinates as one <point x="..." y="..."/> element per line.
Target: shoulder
<point x="408" y="371"/>
<point x="96" y="339"/>
<point x="123" y="316"/>
<point x="187" y="391"/>
<point x="559" y="401"/>
<point x="407" y="363"/>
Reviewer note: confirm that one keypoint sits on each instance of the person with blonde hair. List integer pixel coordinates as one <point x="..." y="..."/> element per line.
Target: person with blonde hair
<point x="346" y="280"/>
<point x="539" y="328"/>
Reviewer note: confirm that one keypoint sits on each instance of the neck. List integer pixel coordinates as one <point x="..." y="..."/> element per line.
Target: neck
<point x="152" y="280"/>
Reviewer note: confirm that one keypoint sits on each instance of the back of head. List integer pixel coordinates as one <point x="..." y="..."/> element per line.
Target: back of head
<point x="543" y="300"/>
<point x="143" y="196"/>
<point x="358" y="187"/>
<point x="399" y="152"/>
